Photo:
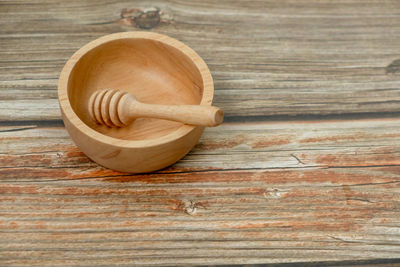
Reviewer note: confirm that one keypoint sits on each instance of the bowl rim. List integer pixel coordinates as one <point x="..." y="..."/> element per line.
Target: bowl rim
<point x="72" y="117"/>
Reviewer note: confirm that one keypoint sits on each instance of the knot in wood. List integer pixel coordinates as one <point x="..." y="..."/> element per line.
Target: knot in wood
<point x="148" y="20"/>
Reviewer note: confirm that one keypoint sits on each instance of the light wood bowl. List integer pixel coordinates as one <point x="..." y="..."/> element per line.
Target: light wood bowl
<point x="156" y="69"/>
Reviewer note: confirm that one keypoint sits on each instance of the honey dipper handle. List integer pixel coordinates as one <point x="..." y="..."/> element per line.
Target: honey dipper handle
<point x="129" y="109"/>
<point x="188" y="114"/>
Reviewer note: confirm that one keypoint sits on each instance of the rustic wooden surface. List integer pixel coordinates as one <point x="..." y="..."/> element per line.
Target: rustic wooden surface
<point x="305" y="169"/>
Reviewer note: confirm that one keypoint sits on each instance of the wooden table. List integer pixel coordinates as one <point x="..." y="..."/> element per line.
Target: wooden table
<point x="305" y="169"/>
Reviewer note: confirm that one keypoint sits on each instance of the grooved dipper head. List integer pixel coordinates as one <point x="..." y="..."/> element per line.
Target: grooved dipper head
<point x="104" y="107"/>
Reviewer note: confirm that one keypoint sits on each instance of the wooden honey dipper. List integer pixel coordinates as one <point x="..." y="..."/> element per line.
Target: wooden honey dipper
<point x="119" y="109"/>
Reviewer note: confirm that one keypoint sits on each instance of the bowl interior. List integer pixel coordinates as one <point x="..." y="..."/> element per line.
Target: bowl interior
<point x="152" y="71"/>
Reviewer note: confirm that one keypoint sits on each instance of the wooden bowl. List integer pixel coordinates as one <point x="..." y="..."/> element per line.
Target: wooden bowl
<point x="153" y="67"/>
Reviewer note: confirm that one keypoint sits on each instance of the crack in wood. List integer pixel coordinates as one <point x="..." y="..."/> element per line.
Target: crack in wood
<point x="297" y="158"/>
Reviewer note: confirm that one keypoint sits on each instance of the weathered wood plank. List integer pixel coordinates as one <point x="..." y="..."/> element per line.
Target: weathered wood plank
<point x="267" y="57"/>
<point x="248" y="193"/>
<point x="239" y="146"/>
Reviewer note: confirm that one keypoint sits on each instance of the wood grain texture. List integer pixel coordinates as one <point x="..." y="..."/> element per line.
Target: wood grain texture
<point x="306" y="192"/>
<point x="267" y="58"/>
<point x="306" y="169"/>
